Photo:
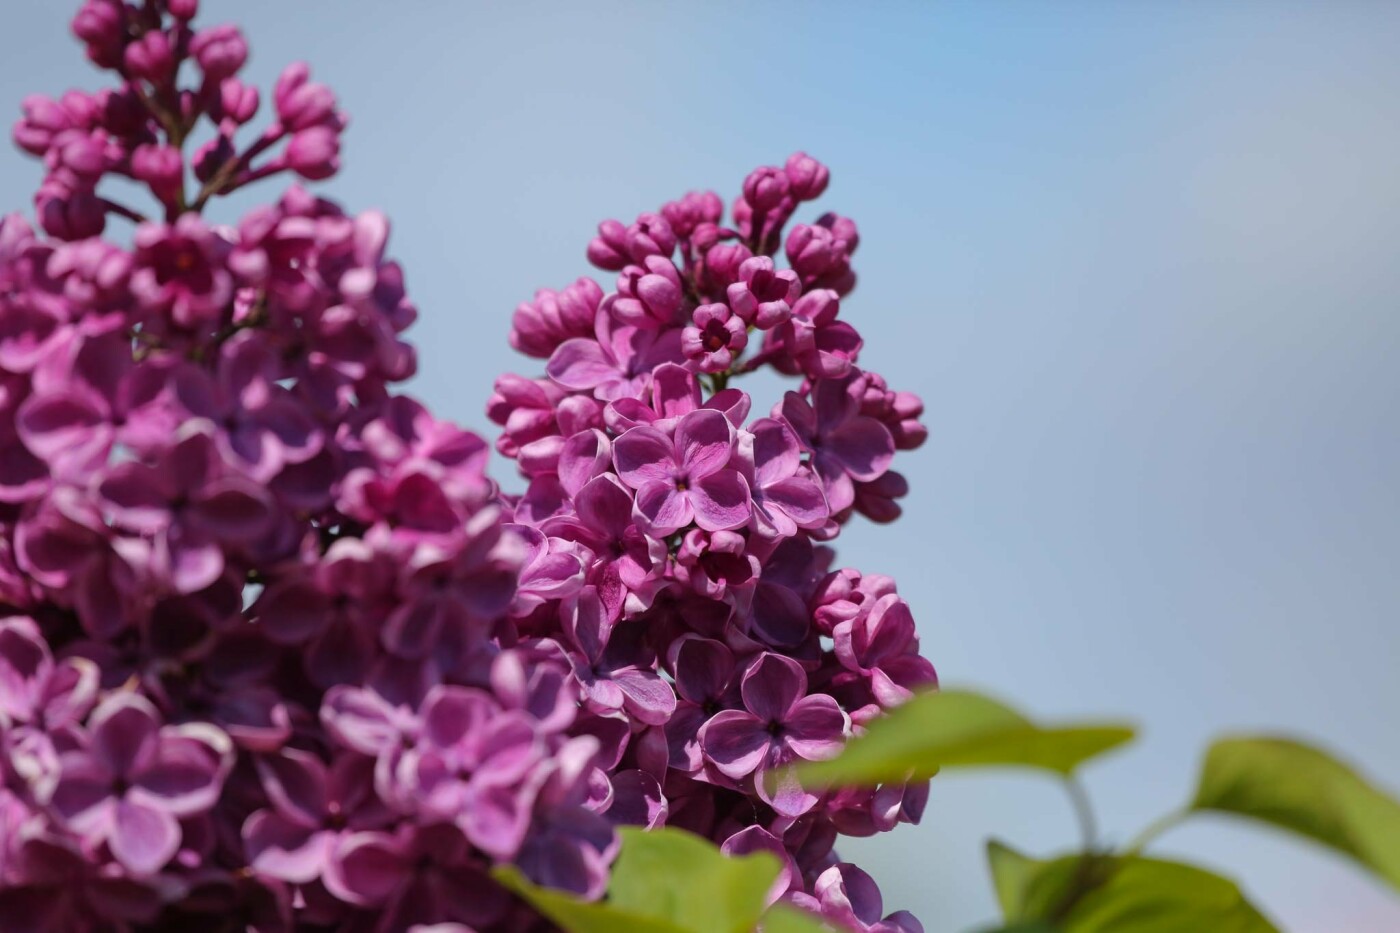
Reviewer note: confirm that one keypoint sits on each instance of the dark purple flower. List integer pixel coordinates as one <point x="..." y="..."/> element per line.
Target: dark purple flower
<point x="786" y="496"/>
<point x="778" y="724"/>
<point x="134" y="779"/>
<point x="179" y="270"/>
<point x="845" y="444"/>
<point x="763" y="296"/>
<point x="714" y="339"/>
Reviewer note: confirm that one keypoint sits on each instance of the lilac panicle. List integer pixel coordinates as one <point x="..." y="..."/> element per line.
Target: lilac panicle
<point x="267" y="656"/>
<point x="708" y="634"/>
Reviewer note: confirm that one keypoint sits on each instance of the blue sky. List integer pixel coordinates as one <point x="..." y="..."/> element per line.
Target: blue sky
<point x="1139" y="259"/>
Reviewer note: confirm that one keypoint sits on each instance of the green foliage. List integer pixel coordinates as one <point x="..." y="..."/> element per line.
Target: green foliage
<point x="1304" y="790"/>
<point x="1087" y="893"/>
<point x="958" y="728"/>
<point x="669" y="881"/>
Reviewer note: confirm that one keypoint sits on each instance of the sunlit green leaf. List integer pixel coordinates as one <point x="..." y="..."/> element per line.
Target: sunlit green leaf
<point x="785" y="919"/>
<point x="1303" y="789"/>
<point x="666" y="881"/>
<point x="1105" y="894"/>
<point x="579" y="916"/>
<point x="677" y="876"/>
<point x="1012" y="873"/>
<point x="956" y="728"/>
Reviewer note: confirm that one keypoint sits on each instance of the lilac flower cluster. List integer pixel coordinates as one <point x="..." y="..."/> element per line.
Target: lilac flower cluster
<point x="259" y="668"/>
<point x="677" y="544"/>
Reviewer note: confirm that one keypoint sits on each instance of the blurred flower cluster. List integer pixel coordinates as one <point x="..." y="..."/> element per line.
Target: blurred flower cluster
<point x="256" y="666"/>
<point x="276" y="655"/>
<point x="676" y="541"/>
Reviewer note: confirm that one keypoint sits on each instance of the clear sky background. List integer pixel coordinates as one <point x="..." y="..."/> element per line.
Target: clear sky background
<point x="1140" y="259"/>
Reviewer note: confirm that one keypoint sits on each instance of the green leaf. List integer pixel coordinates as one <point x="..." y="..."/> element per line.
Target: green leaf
<point x="581" y="916"/>
<point x="679" y="877"/>
<point x="1303" y="789"/>
<point x="957" y="728"/>
<point x="1106" y="894"/>
<point x="665" y="881"/>
<point x="1154" y="896"/>
<point x="787" y="919"/>
<point x="1012" y="873"/>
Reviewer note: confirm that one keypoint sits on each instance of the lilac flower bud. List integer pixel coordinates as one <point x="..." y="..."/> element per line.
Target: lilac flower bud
<point x="314" y="153"/>
<point x="220" y="51"/>
<point x="650" y="235"/>
<point x="763" y="295"/>
<point x="814" y="251"/>
<point x="648" y="295"/>
<point x="715" y="338"/>
<point x="43" y="119"/>
<point x="237" y="101"/>
<point x="161" y="167"/>
<point x="212" y="156"/>
<point x="68" y="213"/>
<point x="120" y="113"/>
<point x="83" y="154"/>
<point x="843" y="228"/>
<point x="722" y="263"/>
<point x="151" y="57"/>
<point x="182" y="9"/>
<point x="300" y="102"/>
<point x="101" y="25"/>
<point x="608" y="250"/>
<point x="539" y="327"/>
<point x="807" y="177"/>
<point x="765" y="188"/>
<point x="694" y="209"/>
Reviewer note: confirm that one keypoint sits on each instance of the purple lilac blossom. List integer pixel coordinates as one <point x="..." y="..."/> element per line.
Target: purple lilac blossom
<point x="277" y="655"/>
<point x="713" y="643"/>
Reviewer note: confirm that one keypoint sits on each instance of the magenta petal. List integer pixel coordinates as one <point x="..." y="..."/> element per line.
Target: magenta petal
<point x="863" y="446"/>
<point x="65" y="429"/>
<point x="122" y="729"/>
<point x="721" y="501"/>
<point x="735" y="742"/>
<point x="82" y="795"/>
<point x="664" y="508"/>
<point x="295" y="782"/>
<point x="800" y="498"/>
<point x="815" y="727"/>
<point x="232" y="510"/>
<point x="581" y="363"/>
<point x="281" y="849"/>
<point x="637" y="800"/>
<point x="585" y="455"/>
<point x="704" y="442"/>
<point x="365" y="868"/>
<point x="184" y="774"/>
<point x="780" y="788"/>
<point x="495" y="819"/>
<point x="143" y="839"/>
<point x="771" y="686"/>
<point x="775" y="452"/>
<point x="648" y="697"/>
<point x="703" y="667"/>
<point x="644" y="455"/>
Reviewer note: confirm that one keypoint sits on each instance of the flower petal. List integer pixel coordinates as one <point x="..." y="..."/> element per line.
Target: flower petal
<point x="735" y="742"/>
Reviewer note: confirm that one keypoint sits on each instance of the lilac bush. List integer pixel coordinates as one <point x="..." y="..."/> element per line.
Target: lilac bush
<point x="276" y="654"/>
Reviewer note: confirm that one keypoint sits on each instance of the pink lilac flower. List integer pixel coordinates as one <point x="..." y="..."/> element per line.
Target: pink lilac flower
<point x="685" y="477"/>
